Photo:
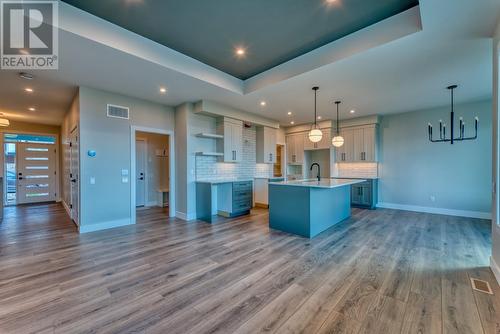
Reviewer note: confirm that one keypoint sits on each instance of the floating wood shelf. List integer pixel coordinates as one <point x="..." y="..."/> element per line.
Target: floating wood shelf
<point x="210" y="154"/>
<point x="209" y="135"/>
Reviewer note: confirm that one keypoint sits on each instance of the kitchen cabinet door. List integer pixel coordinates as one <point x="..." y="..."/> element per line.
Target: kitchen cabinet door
<point x="345" y="152"/>
<point x="299" y="148"/>
<point x="326" y="141"/>
<point x="266" y="145"/>
<point x="232" y="143"/>
<point x="290" y="148"/>
<point x="358" y="144"/>
<point x="369" y="141"/>
<point x="237" y="142"/>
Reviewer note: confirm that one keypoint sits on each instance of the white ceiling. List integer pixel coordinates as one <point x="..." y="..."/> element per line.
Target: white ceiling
<point x="407" y="74"/>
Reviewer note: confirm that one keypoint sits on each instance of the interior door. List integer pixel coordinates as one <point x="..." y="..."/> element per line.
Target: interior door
<point x="140" y="172"/>
<point x="36" y="173"/>
<point x="74" y="175"/>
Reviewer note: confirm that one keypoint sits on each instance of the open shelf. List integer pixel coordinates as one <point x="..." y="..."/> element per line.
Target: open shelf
<point x="210" y="154"/>
<point x="209" y="135"/>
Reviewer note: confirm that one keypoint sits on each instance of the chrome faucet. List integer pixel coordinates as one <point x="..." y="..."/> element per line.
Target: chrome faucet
<point x="319" y="170"/>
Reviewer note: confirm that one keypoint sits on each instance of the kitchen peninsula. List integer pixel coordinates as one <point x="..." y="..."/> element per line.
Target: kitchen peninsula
<point x="309" y="207"/>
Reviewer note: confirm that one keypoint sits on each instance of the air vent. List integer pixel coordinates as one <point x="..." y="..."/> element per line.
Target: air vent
<point x="480" y="285"/>
<point x="118" y="111"/>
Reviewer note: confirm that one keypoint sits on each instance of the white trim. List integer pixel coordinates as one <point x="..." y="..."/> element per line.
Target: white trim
<point x="439" y="211"/>
<point x="105" y="225"/>
<point x="151" y="203"/>
<point x="171" y="147"/>
<point x="495" y="268"/>
<point x="184" y="216"/>
<point x="66" y="207"/>
<point x="146" y="176"/>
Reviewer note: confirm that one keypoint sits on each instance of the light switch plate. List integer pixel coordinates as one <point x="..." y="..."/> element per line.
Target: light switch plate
<point x="92" y="180"/>
<point x="124" y="172"/>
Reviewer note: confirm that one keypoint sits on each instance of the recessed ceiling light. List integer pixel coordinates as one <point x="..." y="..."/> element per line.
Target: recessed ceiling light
<point x="28" y="90"/>
<point x="263" y="103"/>
<point x="352" y="111"/>
<point x="240" y="52"/>
<point x="292" y="122"/>
<point x="289" y="113"/>
<point x="163" y="90"/>
<point x="32" y="109"/>
<point x="319" y="117"/>
<point x="26" y="76"/>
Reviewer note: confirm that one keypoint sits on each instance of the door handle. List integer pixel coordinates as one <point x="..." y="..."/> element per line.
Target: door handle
<point x="73" y="180"/>
<point x="20" y="178"/>
<point x="141" y="178"/>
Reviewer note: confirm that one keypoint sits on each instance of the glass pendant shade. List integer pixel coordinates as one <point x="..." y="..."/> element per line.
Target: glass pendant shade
<point x="315" y="135"/>
<point x="4" y="122"/>
<point x="338" y="141"/>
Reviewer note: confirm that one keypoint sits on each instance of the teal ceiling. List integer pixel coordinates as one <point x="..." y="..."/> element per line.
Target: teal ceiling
<point x="271" y="31"/>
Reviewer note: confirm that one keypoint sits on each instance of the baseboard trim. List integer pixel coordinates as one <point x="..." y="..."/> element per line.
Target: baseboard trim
<point x="439" y="211"/>
<point x="151" y="204"/>
<point x="184" y="216"/>
<point x="66" y="207"/>
<point x="105" y="225"/>
<point x="495" y="269"/>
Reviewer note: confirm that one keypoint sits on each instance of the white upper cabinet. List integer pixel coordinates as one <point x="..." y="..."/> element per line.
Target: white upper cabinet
<point x="266" y="145"/>
<point x="324" y="143"/>
<point x="232" y="144"/>
<point x="360" y="144"/>
<point x="295" y="148"/>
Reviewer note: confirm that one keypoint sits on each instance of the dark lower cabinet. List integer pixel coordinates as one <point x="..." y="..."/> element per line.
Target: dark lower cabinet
<point x="242" y="198"/>
<point x="364" y="194"/>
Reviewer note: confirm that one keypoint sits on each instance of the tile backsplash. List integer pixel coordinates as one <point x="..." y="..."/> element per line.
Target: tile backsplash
<point x="207" y="168"/>
<point x="368" y="170"/>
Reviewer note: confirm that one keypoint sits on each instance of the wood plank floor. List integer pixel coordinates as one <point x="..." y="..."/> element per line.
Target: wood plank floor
<point x="381" y="271"/>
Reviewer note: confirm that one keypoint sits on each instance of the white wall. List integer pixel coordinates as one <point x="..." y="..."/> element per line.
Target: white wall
<point x="412" y="169"/>
<point x="107" y="203"/>
<point x="495" y="257"/>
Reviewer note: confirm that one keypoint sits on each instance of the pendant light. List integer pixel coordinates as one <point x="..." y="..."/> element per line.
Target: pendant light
<point x="338" y="140"/>
<point x="315" y="134"/>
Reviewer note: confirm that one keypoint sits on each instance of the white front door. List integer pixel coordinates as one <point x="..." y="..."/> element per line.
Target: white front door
<point x="74" y="175"/>
<point x="140" y="173"/>
<point x="36" y="173"/>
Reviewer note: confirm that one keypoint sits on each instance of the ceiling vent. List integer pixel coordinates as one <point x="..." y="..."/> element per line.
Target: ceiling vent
<point x="118" y="111"/>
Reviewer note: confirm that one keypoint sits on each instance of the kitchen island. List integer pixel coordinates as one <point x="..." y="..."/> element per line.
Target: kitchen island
<point x="309" y="207"/>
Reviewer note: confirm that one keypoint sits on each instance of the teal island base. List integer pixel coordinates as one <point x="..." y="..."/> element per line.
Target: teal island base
<point x="307" y="211"/>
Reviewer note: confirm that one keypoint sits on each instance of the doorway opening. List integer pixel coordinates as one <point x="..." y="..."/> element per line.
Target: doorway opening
<point x="30" y="168"/>
<point x="152" y="171"/>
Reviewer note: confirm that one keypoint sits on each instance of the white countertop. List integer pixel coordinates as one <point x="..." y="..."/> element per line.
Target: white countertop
<point x="220" y="181"/>
<point x="324" y="183"/>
